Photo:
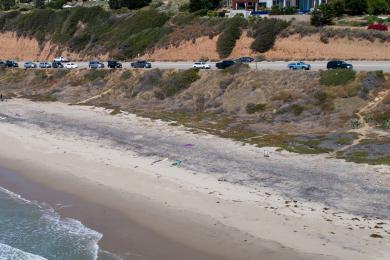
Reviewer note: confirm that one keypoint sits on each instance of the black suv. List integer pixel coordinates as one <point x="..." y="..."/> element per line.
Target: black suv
<point x="224" y="64"/>
<point x="113" y="64"/>
<point x="141" y="64"/>
<point x="338" y="64"/>
<point x="57" y="65"/>
<point x="96" y="65"/>
<point x="11" y="64"/>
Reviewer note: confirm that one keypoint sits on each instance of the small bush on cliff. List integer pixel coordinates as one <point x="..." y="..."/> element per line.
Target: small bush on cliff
<point x="178" y="81"/>
<point x="252" y="108"/>
<point x="297" y="109"/>
<point x="265" y="34"/>
<point x="337" y="77"/>
<point x="228" y="37"/>
<point x="127" y="74"/>
<point x="93" y="75"/>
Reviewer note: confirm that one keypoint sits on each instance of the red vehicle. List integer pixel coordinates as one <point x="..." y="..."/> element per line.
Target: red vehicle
<point x="378" y="26"/>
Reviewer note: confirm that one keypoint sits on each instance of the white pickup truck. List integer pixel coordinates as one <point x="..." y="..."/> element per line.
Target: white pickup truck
<point x="61" y="59"/>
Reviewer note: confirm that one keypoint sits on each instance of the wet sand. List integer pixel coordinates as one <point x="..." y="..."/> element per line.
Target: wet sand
<point x="121" y="236"/>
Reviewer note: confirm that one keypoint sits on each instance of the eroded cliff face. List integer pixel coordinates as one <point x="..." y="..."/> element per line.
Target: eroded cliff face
<point x="29" y="49"/>
<point x="290" y="48"/>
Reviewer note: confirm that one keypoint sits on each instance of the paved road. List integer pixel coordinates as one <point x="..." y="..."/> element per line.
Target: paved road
<point x="275" y="65"/>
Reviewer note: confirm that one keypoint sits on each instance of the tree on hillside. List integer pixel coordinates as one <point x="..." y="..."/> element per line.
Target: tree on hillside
<point x="322" y="16"/>
<point x="7" y="4"/>
<point x="378" y="7"/>
<point x="134" y="4"/>
<point x="216" y="4"/>
<point x="115" y="4"/>
<point x="338" y="7"/>
<point x="196" y="5"/>
<point x="130" y="4"/>
<point x="39" y="3"/>
<point x="356" y="7"/>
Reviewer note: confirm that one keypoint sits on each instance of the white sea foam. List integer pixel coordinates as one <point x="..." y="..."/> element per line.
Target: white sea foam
<point x="11" y="253"/>
<point x="85" y="239"/>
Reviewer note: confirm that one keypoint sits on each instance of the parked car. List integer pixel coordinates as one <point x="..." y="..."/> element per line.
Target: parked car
<point x="224" y="64"/>
<point x="113" y="64"/>
<point x="70" y="65"/>
<point x="245" y="59"/>
<point x="61" y="59"/>
<point x="57" y="65"/>
<point x="44" y="65"/>
<point x="201" y="65"/>
<point x="300" y="65"/>
<point x="95" y="65"/>
<point x="338" y="64"/>
<point x="141" y="64"/>
<point x="30" y="65"/>
<point x="2" y="64"/>
<point x="11" y="64"/>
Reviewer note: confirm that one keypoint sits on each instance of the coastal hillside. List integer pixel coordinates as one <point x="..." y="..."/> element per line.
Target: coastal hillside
<point x="343" y="113"/>
<point x="159" y="32"/>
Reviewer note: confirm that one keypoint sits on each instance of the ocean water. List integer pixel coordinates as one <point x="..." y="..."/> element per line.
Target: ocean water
<point x="34" y="231"/>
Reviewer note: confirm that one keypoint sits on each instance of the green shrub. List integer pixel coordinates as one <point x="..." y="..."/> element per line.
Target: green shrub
<point x="39" y="3"/>
<point x="338" y="7"/>
<point x="297" y="109"/>
<point x="354" y="123"/>
<point x="127" y="74"/>
<point x="386" y="124"/>
<point x="320" y="96"/>
<point x="252" y="108"/>
<point x="376" y="7"/>
<point x="93" y="75"/>
<point x="178" y="81"/>
<point x="131" y="4"/>
<point x="337" y="77"/>
<point x="322" y="16"/>
<point x="356" y="7"/>
<point x="343" y="141"/>
<point x="265" y="34"/>
<point x="196" y="5"/>
<point x="359" y="154"/>
<point x="7" y="4"/>
<point x="228" y="37"/>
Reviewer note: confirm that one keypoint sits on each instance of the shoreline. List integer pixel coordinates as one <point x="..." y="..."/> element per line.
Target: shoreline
<point x="193" y="209"/>
<point x="211" y="239"/>
<point x="115" y="226"/>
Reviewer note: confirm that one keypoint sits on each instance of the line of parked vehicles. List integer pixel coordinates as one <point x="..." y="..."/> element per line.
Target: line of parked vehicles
<point x="300" y="65"/>
<point x="61" y="62"/>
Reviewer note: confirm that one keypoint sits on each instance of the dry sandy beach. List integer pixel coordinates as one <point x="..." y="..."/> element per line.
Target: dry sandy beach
<point x="225" y="201"/>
